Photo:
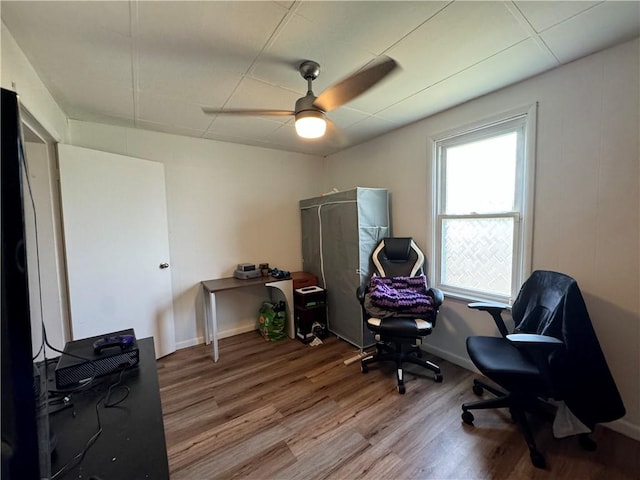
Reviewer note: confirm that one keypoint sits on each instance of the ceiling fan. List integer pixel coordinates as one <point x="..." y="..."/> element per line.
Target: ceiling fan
<point x="309" y="113"/>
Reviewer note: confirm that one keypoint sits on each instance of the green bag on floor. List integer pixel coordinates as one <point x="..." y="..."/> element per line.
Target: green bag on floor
<point x="272" y="320"/>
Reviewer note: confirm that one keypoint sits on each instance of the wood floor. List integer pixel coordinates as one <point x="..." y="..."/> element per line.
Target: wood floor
<point x="284" y="410"/>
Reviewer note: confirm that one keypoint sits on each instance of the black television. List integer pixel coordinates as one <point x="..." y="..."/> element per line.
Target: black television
<point x="24" y="437"/>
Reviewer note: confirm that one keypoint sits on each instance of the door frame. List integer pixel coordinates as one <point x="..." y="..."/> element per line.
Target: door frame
<point x="34" y="132"/>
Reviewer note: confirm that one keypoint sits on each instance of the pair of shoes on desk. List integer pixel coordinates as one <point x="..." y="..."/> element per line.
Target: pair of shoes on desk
<point x="279" y="274"/>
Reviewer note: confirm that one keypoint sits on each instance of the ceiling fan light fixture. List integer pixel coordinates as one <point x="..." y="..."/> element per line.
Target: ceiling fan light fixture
<point x="310" y="124"/>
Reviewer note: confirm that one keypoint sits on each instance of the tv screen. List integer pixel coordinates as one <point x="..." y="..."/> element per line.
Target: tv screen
<point x="25" y="435"/>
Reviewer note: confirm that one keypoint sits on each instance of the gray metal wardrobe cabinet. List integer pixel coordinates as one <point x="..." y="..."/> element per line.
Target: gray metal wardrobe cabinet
<point x="339" y="232"/>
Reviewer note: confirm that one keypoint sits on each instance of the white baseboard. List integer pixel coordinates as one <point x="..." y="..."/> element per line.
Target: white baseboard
<point x="625" y="428"/>
<point x="192" y="342"/>
<point x="463" y="362"/>
<point x="189" y="343"/>
<point x="248" y="327"/>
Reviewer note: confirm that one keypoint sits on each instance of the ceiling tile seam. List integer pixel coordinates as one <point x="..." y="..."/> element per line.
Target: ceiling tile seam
<point x="449" y="77"/>
<point x="427" y="20"/>
<point x="133" y="26"/>
<point x="577" y="14"/>
<point x="533" y="34"/>
<point x="248" y="73"/>
<point x="286" y="19"/>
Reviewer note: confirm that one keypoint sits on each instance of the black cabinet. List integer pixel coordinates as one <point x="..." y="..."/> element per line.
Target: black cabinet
<point x="310" y="310"/>
<point x="131" y="443"/>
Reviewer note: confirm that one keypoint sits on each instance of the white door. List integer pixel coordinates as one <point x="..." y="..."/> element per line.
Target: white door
<point x="116" y="240"/>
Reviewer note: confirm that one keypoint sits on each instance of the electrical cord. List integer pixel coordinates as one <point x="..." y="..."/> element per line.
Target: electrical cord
<point x="107" y="403"/>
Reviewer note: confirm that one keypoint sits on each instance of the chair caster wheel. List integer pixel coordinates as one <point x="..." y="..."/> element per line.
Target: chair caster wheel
<point x="467" y="417"/>
<point x="438" y="378"/>
<point x="478" y="390"/>
<point x="364" y="369"/>
<point x="401" y="389"/>
<point x="538" y="460"/>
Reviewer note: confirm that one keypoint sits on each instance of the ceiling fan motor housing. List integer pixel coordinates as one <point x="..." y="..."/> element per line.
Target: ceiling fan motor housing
<point x="309" y="69"/>
<point x="306" y="103"/>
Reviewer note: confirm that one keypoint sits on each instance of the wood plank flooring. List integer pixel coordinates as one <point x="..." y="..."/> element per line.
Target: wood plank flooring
<point x="284" y="410"/>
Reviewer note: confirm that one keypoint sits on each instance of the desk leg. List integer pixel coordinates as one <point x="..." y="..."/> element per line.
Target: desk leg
<point x="286" y="287"/>
<point x="211" y="322"/>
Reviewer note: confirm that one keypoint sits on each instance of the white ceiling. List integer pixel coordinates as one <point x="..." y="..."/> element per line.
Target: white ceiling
<point x="153" y="64"/>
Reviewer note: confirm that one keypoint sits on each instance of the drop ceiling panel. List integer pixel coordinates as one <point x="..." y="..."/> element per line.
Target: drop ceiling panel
<point x="370" y="26"/>
<point x="599" y="27"/>
<point x="112" y="101"/>
<point x="516" y="63"/>
<point x="460" y="35"/>
<point x="345" y="116"/>
<point x="228" y="35"/>
<point x="59" y="41"/>
<point x="153" y="64"/>
<point x="542" y="15"/>
<point x="167" y="128"/>
<point x="169" y="111"/>
<point x="256" y="94"/>
<point x="301" y="39"/>
<point x="193" y="82"/>
<point x="238" y="126"/>
<point x="360" y="130"/>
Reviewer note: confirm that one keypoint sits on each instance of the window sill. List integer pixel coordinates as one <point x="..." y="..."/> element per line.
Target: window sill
<point x="466" y="298"/>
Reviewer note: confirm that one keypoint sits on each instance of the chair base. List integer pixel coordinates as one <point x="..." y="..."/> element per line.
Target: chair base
<point x="397" y="351"/>
<point x="518" y="407"/>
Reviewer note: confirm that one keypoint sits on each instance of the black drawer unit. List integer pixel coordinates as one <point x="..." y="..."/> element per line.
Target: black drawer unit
<point x="310" y="308"/>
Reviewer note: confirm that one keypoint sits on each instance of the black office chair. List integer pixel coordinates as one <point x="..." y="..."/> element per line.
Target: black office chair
<point x="553" y="354"/>
<point x="398" y="307"/>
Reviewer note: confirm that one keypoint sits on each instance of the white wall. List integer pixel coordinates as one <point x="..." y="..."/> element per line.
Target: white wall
<point x="17" y="74"/>
<point x="227" y="204"/>
<point x="587" y="198"/>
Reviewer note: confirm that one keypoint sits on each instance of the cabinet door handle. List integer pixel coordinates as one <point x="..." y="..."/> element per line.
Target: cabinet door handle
<point x="164" y="265"/>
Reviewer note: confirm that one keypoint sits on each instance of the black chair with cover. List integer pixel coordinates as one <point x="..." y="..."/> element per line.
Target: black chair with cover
<point x="551" y="363"/>
<point x="398" y="307"/>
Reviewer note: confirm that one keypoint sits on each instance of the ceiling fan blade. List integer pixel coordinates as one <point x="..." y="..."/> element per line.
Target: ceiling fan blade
<point x="247" y="111"/>
<point x="354" y="85"/>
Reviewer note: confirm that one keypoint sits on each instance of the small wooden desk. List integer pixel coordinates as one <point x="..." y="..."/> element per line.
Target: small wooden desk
<point x="211" y="287"/>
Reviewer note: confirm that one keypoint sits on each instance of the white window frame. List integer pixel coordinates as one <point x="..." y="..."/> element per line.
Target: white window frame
<point x="524" y="119"/>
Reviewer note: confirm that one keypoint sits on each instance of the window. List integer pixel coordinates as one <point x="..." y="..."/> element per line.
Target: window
<point x="483" y="188"/>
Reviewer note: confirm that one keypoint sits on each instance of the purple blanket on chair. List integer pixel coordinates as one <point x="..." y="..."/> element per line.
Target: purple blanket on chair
<point x="400" y="295"/>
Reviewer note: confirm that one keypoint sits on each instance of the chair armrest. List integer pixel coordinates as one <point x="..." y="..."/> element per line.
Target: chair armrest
<point x="538" y="348"/>
<point x="536" y="341"/>
<point x="489" y="306"/>
<point x="495" y="310"/>
<point x="438" y="296"/>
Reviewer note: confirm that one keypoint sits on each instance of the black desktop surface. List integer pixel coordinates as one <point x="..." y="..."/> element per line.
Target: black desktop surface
<point x="132" y="443"/>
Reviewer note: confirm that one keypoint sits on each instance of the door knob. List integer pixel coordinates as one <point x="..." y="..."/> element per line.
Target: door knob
<point x="164" y="265"/>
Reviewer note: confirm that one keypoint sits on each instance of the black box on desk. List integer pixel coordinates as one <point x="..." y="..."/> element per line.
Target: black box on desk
<point x="309" y="296"/>
<point x="80" y="362"/>
<point x="309" y="309"/>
